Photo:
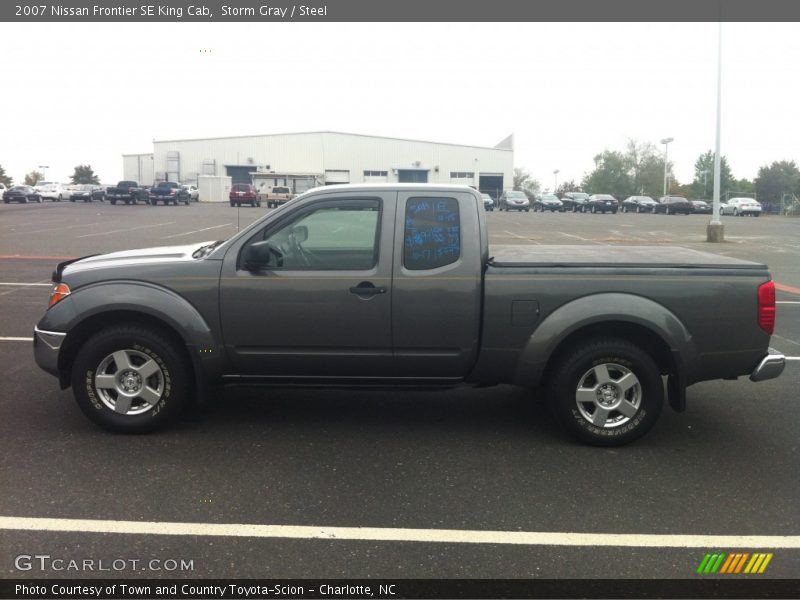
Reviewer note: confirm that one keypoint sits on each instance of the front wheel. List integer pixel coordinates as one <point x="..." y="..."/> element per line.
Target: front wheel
<point x="131" y="379"/>
<point x="607" y="392"/>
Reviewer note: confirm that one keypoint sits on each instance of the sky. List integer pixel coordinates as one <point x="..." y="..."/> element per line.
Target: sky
<point x="87" y="93"/>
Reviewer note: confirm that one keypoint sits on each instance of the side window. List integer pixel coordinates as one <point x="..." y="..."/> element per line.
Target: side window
<point x="341" y="236"/>
<point x="432" y="235"/>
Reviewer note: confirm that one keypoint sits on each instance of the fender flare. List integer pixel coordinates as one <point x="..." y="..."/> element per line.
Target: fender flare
<point x="147" y="299"/>
<point x="597" y="309"/>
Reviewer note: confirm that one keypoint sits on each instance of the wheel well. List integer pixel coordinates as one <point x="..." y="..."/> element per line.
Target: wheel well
<point x="644" y="338"/>
<point x="88" y="327"/>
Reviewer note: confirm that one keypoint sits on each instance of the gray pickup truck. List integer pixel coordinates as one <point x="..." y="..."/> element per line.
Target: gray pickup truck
<point x="396" y="285"/>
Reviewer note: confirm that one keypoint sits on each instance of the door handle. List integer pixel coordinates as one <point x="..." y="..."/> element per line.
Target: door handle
<point x="365" y="288"/>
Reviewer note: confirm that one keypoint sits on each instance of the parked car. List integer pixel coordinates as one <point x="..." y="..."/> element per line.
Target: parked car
<point x="601" y="203"/>
<point x="574" y="201"/>
<point x="243" y="193"/>
<point x="170" y="192"/>
<point x="700" y="207"/>
<point x="741" y="207"/>
<point x="129" y="192"/>
<point x="276" y="195"/>
<point x="514" y="201"/>
<point x="638" y="204"/>
<point x="549" y="202"/>
<point x="673" y="205"/>
<point x="334" y="291"/>
<point x="22" y="193"/>
<point x="194" y="193"/>
<point x="50" y="190"/>
<point x="88" y="192"/>
<point x="488" y="203"/>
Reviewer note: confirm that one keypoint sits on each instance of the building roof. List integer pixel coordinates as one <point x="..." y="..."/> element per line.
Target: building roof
<point x="503" y="145"/>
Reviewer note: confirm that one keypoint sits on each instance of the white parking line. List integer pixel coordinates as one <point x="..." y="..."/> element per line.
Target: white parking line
<point x="196" y="231"/>
<point x="129" y="229"/>
<point x="521" y="237"/>
<point x="16" y="339"/>
<point x="577" y="237"/>
<point x="786" y="302"/>
<point x="21" y="284"/>
<point x="391" y="534"/>
<point x="55" y="228"/>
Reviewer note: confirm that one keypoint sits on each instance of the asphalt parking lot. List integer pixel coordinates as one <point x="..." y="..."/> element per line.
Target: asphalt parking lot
<point x="475" y="460"/>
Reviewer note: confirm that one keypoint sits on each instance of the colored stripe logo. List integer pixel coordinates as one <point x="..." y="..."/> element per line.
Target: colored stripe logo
<point x="734" y="563"/>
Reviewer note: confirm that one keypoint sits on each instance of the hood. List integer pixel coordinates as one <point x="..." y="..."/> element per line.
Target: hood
<point x="128" y="258"/>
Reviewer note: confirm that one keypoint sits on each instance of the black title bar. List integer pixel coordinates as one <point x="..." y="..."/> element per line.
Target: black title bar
<point x="396" y="11"/>
<point x="396" y="589"/>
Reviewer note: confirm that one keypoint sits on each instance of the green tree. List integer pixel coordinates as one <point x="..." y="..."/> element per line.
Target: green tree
<point x="779" y="178"/>
<point x="639" y="169"/>
<point x="742" y="187"/>
<point x="5" y="179"/>
<point x="703" y="184"/>
<point x="84" y="174"/>
<point x="34" y="177"/>
<point x="568" y="186"/>
<point x="611" y="175"/>
<point x="524" y="182"/>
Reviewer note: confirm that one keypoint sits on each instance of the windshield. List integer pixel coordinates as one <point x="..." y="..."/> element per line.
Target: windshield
<point x="517" y="195"/>
<point x="550" y="197"/>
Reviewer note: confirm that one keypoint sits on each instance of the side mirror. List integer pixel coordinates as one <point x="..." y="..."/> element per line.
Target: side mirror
<point x="300" y="233"/>
<point x="262" y="254"/>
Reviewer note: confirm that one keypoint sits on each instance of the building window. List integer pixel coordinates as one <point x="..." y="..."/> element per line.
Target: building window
<point x="376" y="173"/>
<point x="461" y="175"/>
<point x="432" y="236"/>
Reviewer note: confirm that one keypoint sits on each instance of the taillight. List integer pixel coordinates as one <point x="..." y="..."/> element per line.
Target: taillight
<point x="766" y="307"/>
<point x="59" y="292"/>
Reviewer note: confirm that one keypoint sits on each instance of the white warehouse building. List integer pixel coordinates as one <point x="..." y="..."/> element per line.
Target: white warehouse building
<point x="302" y="161"/>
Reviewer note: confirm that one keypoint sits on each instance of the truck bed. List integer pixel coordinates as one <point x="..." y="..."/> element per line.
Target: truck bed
<point x="612" y="256"/>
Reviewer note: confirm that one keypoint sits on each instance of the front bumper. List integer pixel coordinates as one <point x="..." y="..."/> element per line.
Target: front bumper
<point x="46" y="346"/>
<point x="770" y="367"/>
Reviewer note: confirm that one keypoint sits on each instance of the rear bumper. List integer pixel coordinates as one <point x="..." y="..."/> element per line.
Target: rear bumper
<point x="46" y="346"/>
<point x="770" y="367"/>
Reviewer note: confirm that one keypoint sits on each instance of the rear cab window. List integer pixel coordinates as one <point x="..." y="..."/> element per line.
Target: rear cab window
<point x="432" y="233"/>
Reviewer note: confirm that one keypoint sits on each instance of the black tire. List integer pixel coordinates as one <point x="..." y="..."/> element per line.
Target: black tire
<point x="71" y="199"/>
<point x="621" y="358"/>
<point x="173" y="378"/>
<point x="232" y="204"/>
<point x="113" y="201"/>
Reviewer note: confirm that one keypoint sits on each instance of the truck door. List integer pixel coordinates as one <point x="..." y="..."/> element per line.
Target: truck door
<point x="436" y="295"/>
<point x="322" y="307"/>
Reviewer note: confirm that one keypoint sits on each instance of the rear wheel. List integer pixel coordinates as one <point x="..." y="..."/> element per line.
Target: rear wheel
<point x="606" y="393"/>
<point x="131" y="379"/>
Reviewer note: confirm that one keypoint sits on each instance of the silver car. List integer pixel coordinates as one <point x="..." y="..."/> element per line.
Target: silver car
<point x="741" y="207"/>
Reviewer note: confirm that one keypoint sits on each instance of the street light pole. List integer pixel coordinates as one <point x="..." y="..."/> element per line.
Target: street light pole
<point x="44" y="171"/>
<point x="666" y="142"/>
<point x="715" y="231"/>
<point x="555" y="186"/>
